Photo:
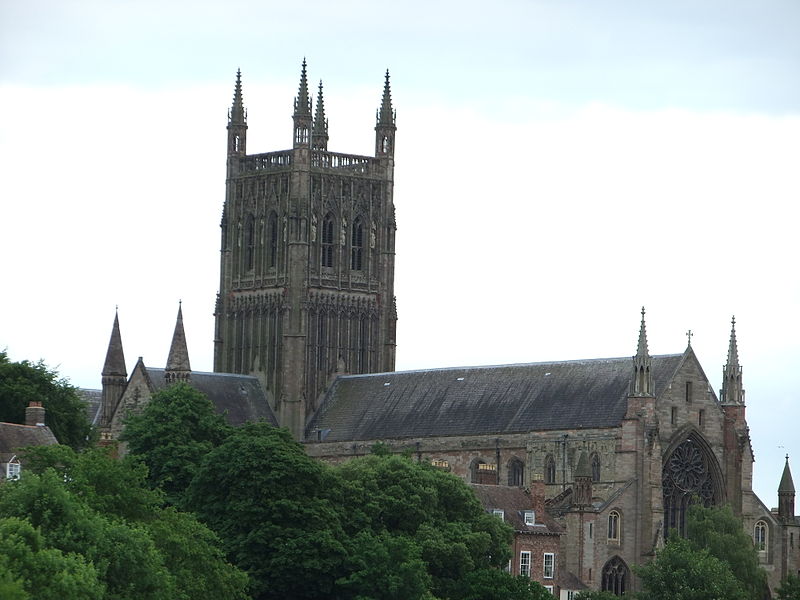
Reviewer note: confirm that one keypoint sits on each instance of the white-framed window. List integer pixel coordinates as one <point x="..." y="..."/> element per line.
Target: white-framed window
<point x="13" y="468"/>
<point x="508" y="566"/>
<point x="570" y="594"/>
<point x="760" y="536"/>
<point x="549" y="588"/>
<point x="525" y="563"/>
<point x="530" y="517"/>
<point x="549" y="565"/>
<point x="498" y="512"/>
<point x="613" y="526"/>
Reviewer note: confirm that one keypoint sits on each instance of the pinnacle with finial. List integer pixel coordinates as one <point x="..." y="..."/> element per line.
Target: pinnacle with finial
<point x="786" y="485"/>
<point x="302" y="104"/>
<point x="641" y="350"/>
<point x="178" y="359"/>
<point x="320" y="123"/>
<point x="385" y="113"/>
<point x="237" y="109"/>
<point x="733" y="349"/>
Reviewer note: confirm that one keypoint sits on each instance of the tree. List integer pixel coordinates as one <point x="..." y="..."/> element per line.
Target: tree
<point x="100" y="509"/>
<point x="680" y="572"/>
<point x="23" y="382"/>
<point x="720" y="532"/>
<point x="595" y="595"/>
<point x="494" y="584"/>
<point x="789" y="588"/>
<point x="172" y="435"/>
<point x="268" y="501"/>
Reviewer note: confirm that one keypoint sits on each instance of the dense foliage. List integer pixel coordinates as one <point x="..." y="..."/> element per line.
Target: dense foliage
<point x="87" y="526"/>
<point x="378" y="527"/>
<point x="789" y="588"/>
<point x="23" y="382"/>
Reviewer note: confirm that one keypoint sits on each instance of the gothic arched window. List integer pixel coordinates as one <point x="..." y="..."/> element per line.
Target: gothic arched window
<point x="595" y="467"/>
<point x="475" y="469"/>
<point x="686" y="479"/>
<point x="549" y="469"/>
<point x="516" y="469"/>
<point x="760" y="536"/>
<point x="328" y="228"/>
<point x="272" y="240"/>
<point x="614" y="523"/>
<point x="615" y="576"/>
<point x="357" y="245"/>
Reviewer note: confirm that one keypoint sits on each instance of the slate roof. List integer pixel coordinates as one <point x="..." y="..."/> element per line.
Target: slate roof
<point x="482" y="400"/>
<point x="240" y="396"/>
<point x="14" y="436"/>
<point x="94" y="404"/>
<point x="513" y="501"/>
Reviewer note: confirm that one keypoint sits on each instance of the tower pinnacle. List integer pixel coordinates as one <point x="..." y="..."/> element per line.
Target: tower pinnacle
<point x="237" y="120"/>
<point x="386" y="115"/>
<point x="319" y="136"/>
<point x="642" y="375"/>
<point x="302" y="111"/>
<point x="115" y="357"/>
<point x="732" y="391"/>
<point x="385" y="127"/>
<point x="786" y="493"/>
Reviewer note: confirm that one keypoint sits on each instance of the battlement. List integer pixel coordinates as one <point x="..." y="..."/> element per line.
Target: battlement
<point x="320" y="159"/>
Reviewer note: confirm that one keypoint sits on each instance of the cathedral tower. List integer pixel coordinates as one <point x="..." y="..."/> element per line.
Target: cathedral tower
<point x="307" y="259"/>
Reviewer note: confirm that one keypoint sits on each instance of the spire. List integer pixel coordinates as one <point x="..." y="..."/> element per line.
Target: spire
<point x="115" y="357"/>
<point x="178" y="368"/>
<point x="386" y="115"/>
<point x="786" y="494"/>
<point x="302" y="104"/>
<point x="642" y="384"/>
<point x="237" y="113"/>
<point x="786" y="485"/>
<point x="302" y="112"/>
<point x="732" y="391"/>
<point x="319" y="132"/>
<point x="583" y="481"/>
<point x="582" y="469"/>
<point x="237" y="120"/>
<point x="385" y="127"/>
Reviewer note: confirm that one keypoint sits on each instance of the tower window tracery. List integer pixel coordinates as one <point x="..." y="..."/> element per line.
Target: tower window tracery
<point x="272" y="240"/>
<point x="615" y="576"/>
<point x="595" y="467"/>
<point x="516" y="469"/>
<point x="250" y="243"/>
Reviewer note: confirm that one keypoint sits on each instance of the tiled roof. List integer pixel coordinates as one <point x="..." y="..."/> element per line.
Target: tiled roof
<point x="483" y="400"/>
<point x="514" y="501"/>
<point x="240" y="396"/>
<point x="14" y="436"/>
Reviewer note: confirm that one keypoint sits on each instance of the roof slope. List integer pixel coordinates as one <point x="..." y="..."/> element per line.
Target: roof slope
<point x="240" y="397"/>
<point x="483" y="400"/>
<point x="14" y="436"/>
<point x="513" y="501"/>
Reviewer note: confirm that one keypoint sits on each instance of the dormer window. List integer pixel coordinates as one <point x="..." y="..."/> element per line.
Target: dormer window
<point x="530" y="517"/>
<point x="499" y="512"/>
<point x="13" y="468"/>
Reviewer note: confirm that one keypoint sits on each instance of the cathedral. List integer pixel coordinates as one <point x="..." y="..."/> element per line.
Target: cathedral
<point x="610" y="451"/>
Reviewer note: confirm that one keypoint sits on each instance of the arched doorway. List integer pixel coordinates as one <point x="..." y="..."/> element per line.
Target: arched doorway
<point x="690" y="476"/>
<point x="616" y="576"/>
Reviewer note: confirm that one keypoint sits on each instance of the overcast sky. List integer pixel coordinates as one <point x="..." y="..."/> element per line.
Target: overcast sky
<point x="559" y="164"/>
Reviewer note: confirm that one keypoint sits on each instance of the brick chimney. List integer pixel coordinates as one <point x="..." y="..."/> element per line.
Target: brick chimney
<point x="34" y="414"/>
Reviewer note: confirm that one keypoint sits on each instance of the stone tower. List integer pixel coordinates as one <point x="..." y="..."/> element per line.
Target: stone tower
<point x="307" y="259"/>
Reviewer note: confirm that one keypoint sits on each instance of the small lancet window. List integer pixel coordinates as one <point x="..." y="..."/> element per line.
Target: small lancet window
<point x="250" y="243"/>
<point x="613" y="526"/>
<point x="549" y="469"/>
<point x="760" y="536"/>
<point x="595" y="467"/>
<point x="272" y="240"/>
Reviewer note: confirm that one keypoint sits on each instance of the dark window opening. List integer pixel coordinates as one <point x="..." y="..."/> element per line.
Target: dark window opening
<point x="549" y="469"/>
<point x="595" y="467"/>
<point x="516" y="469"/>
<point x="357" y="245"/>
<point x="272" y="241"/>
<point x="327" y="240"/>
<point x="615" y="577"/>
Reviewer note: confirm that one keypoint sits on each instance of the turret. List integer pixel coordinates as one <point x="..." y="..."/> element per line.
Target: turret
<point x="114" y="376"/>
<point x="178" y="368"/>
<point x="732" y="391"/>
<point x="786" y="494"/>
<point x="319" y="134"/>
<point x="237" y="121"/>
<point x="385" y="127"/>
<point x="642" y="383"/>
<point x="302" y="112"/>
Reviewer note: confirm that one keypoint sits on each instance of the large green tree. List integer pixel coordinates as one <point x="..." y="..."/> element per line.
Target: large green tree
<point x="717" y="530"/>
<point x="23" y="382"/>
<point x="789" y="588"/>
<point x="681" y="572"/>
<point x="172" y="435"/>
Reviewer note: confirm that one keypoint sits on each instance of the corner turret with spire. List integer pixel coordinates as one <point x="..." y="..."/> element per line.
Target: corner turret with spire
<point x="237" y="121"/>
<point x="302" y="112"/>
<point x="732" y="391"/>
<point x="178" y="368"/>
<point x="385" y="126"/>
<point x="114" y="376"/>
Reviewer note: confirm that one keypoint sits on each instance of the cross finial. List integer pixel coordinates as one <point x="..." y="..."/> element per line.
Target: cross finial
<point x="689" y="335"/>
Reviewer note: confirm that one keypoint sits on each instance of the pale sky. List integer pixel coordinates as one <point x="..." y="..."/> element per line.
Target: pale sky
<point x="559" y="164"/>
